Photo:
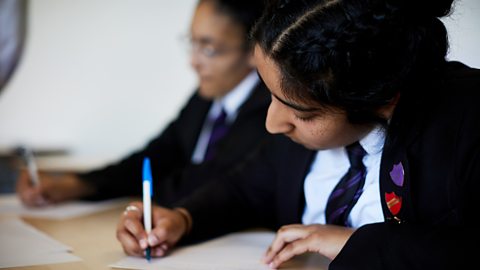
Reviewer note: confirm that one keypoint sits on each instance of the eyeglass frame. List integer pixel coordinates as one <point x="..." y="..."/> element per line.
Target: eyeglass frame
<point x="206" y="47"/>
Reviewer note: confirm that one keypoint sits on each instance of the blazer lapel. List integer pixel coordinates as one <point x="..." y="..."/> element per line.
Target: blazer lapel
<point x="192" y="121"/>
<point x="395" y="174"/>
<point x="395" y="185"/>
<point x="247" y="129"/>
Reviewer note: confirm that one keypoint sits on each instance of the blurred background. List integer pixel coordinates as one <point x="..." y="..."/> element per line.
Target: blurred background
<point x="95" y="79"/>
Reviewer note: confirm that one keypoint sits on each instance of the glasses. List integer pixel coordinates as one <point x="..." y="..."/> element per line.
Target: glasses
<point x="207" y="48"/>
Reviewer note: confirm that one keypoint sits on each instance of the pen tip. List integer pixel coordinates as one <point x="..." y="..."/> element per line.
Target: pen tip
<point x="148" y="254"/>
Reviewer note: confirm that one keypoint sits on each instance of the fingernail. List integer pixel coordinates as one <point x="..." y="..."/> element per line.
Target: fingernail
<point x="143" y="243"/>
<point x="266" y="259"/>
<point x="271" y="265"/>
<point x="159" y="252"/>
<point x="41" y="201"/>
<point x="152" y="240"/>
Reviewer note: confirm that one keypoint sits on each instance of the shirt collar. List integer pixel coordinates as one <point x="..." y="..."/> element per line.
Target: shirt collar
<point x="232" y="101"/>
<point x="373" y="142"/>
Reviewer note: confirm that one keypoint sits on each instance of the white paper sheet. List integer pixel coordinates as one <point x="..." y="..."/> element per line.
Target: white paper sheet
<point x="235" y="251"/>
<point x="23" y="245"/>
<point x="11" y="205"/>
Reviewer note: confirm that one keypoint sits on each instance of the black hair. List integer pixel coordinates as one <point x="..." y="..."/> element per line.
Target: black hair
<point x="353" y="55"/>
<point x="243" y="12"/>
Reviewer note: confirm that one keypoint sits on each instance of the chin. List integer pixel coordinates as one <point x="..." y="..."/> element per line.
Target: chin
<point x="206" y="93"/>
<point x="210" y="93"/>
<point x="306" y="145"/>
<point x="310" y="147"/>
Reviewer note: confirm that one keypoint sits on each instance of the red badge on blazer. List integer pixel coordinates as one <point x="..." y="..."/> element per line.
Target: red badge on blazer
<point x="394" y="202"/>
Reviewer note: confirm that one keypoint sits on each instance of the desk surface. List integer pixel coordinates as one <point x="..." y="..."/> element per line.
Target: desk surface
<point x="92" y="237"/>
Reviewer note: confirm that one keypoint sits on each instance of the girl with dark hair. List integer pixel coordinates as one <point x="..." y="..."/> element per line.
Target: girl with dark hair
<point x="193" y="148"/>
<point x="384" y="159"/>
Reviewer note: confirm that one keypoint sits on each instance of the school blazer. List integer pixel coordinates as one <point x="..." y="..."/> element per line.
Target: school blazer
<point x="173" y="173"/>
<point x="429" y="175"/>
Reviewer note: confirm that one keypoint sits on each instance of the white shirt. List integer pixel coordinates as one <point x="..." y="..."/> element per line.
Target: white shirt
<point x="326" y="171"/>
<point x="231" y="102"/>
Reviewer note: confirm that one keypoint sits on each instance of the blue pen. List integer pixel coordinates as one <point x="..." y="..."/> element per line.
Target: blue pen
<point x="147" y="200"/>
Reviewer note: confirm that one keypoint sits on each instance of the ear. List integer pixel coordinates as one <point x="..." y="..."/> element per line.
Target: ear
<point x="387" y="110"/>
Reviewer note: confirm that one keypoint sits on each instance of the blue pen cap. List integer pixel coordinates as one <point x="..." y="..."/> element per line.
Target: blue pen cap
<point x="147" y="173"/>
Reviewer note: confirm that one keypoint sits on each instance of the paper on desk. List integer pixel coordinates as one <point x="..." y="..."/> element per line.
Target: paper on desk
<point x="235" y="251"/>
<point x="23" y="245"/>
<point x="11" y="205"/>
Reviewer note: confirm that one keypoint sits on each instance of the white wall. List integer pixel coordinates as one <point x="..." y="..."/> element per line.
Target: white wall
<point x="98" y="78"/>
<point x="101" y="77"/>
<point x="463" y="26"/>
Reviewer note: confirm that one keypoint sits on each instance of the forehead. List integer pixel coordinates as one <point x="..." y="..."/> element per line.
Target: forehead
<point x="268" y="70"/>
<point x="270" y="73"/>
<point x="211" y="25"/>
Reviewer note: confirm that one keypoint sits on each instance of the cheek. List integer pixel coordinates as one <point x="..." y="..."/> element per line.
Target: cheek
<point x="327" y="134"/>
<point x="320" y="136"/>
<point x="230" y="74"/>
<point x="232" y="64"/>
<point x="221" y="72"/>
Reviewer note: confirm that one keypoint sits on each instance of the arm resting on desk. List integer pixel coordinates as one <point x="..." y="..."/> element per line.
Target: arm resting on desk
<point x="53" y="188"/>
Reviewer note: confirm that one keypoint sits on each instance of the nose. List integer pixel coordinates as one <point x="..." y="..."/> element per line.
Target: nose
<point x="277" y="119"/>
<point x="194" y="60"/>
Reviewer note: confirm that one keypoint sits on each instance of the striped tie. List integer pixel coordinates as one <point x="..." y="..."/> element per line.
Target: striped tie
<point x="219" y="130"/>
<point x="348" y="190"/>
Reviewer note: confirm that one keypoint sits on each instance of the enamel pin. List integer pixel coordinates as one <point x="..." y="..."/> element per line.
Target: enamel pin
<point x="397" y="174"/>
<point x="394" y="201"/>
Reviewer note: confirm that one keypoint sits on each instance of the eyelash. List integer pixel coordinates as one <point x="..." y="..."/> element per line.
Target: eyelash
<point x="305" y="119"/>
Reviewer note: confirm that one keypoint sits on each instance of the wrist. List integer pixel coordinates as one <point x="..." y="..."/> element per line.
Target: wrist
<point x="84" y="188"/>
<point x="187" y="218"/>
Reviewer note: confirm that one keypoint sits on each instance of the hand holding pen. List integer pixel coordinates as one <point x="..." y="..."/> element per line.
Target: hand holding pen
<point x="27" y="156"/>
<point x="28" y="182"/>
<point x="168" y="226"/>
<point x="148" y="230"/>
<point x="41" y="189"/>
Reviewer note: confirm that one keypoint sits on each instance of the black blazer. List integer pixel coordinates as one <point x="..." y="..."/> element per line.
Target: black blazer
<point x="170" y="153"/>
<point x="434" y="135"/>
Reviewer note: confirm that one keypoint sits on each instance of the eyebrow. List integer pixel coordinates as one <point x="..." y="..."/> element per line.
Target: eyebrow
<point x="204" y="40"/>
<point x="295" y="106"/>
<point x="286" y="103"/>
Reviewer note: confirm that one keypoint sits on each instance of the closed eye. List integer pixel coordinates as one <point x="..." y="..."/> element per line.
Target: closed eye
<point x="305" y="118"/>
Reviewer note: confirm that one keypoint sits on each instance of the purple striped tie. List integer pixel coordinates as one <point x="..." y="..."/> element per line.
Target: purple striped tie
<point x="348" y="190"/>
<point x="219" y="130"/>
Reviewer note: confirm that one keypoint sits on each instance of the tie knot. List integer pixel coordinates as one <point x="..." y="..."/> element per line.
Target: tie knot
<point x="219" y="130"/>
<point x="222" y="116"/>
<point x="355" y="154"/>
